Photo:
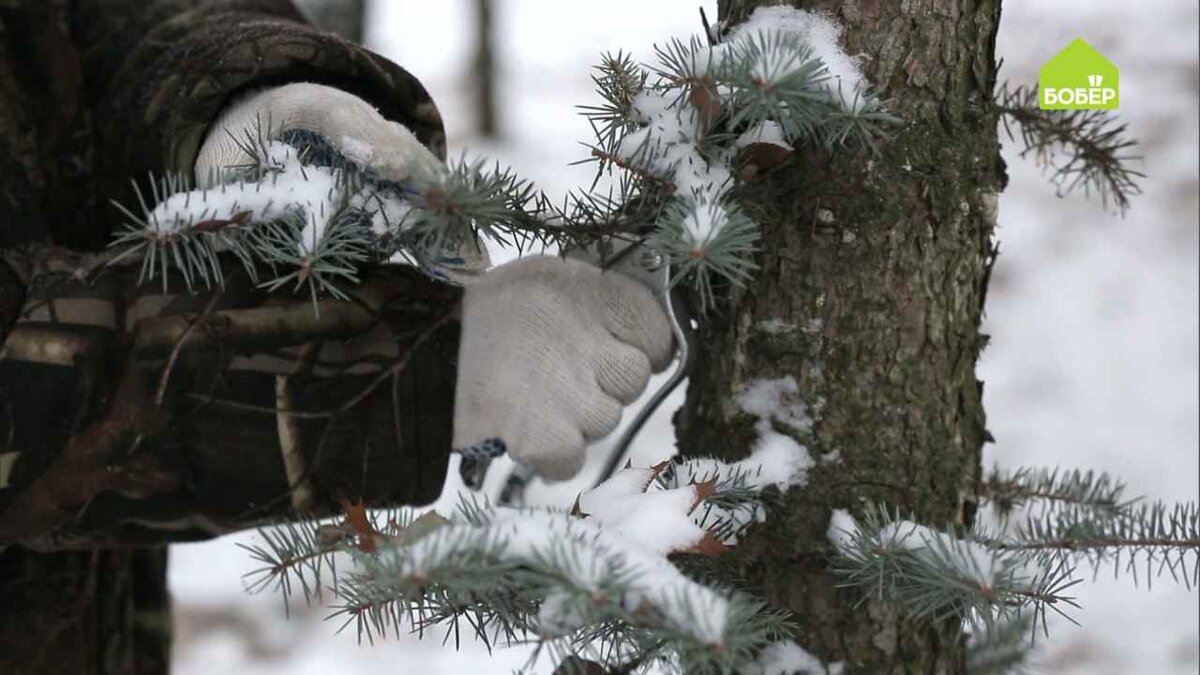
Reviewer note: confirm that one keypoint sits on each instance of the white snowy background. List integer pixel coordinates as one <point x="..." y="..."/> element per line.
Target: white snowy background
<point x="1093" y="361"/>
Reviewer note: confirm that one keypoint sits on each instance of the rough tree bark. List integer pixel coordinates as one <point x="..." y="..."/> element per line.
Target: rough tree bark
<point x="874" y="269"/>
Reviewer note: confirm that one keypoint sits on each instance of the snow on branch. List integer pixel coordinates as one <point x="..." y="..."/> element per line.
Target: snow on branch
<point x="293" y="222"/>
<point x="595" y="581"/>
<point x="687" y="125"/>
<point x="787" y="658"/>
<point x="939" y="576"/>
<point x="986" y="578"/>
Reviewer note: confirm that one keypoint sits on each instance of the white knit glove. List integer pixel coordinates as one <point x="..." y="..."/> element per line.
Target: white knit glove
<point x="551" y="350"/>
<point x="351" y="126"/>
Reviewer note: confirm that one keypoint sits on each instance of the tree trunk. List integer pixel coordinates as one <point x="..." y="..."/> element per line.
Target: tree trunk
<point x="484" y="70"/>
<point x="344" y="17"/>
<point x="102" y="612"/>
<point x="870" y="293"/>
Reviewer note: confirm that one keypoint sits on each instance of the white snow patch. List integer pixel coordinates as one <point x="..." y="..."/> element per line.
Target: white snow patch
<point x="584" y="552"/>
<point x="648" y="106"/>
<point x="982" y="563"/>
<point x="560" y="614"/>
<point x="763" y="132"/>
<point x="971" y="559"/>
<point x="704" y="220"/>
<point x="842" y="529"/>
<point x="820" y="34"/>
<point x="633" y="506"/>
<point x="777" y="460"/>
<point x="292" y="189"/>
<point x="289" y="188"/>
<point x="788" y="658"/>
<point x="775" y="327"/>
<point x="667" y="146"/>
<point x="767" y="399"/>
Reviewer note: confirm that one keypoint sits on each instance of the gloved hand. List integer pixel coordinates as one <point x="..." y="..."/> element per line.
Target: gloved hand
<point x="551" y="350"/>
<point x="351" y="126"/>
<point x="344" y="126"/>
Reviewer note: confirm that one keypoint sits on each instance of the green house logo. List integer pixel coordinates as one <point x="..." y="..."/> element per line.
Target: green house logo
<point x="1079" y="78"/>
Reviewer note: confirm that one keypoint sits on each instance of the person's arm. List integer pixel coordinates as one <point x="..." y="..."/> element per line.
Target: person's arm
<point x="124" y="425"/>
<point x="139" y="417"/>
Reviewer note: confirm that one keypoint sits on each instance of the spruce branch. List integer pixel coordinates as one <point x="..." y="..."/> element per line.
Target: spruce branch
<point x="1053" y="489"/>
<point x="706" y="240"/>
<point x="618" y="79"/>
<point x="984" y="578"/>
<point x="572" y="583"/>
<point x="938" y="576"/>
<point x="556" y="580"/>
<point x="299" y="556"/>
<point x="676" y="127"/>
<point x="450" y="209"/>
<point x="1160" y="536"/>
<point x="776" y="78"/>
<point x="300" y="216"/>
<point x="1086" y="149"/>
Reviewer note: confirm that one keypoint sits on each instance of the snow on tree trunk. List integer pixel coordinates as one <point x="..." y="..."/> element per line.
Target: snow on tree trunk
<point x="874" y="270"/>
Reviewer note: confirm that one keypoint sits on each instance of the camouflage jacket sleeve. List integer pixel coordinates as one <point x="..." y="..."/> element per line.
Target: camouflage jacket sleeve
<point x="130" y="415"/>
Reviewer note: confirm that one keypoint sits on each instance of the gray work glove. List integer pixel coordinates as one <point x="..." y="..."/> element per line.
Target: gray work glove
<point x="551" y="351"/>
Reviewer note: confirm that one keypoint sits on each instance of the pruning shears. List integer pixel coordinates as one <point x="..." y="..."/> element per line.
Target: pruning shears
<point x="639" y="261"/>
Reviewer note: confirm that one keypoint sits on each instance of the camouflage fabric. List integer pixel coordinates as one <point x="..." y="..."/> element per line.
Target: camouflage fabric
<point x="268" y="409"/>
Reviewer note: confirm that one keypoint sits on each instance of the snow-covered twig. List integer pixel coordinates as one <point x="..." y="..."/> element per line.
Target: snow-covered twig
<point x="939" y="576"/>
<point x="684" y="125"/>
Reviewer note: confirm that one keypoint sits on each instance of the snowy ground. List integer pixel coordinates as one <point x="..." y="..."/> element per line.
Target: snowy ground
<point x="1093" y="361"/>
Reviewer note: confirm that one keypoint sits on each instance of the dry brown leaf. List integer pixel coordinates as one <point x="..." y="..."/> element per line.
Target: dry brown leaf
<point x="655" y="472"/>
<point x="704" y="490"/>
<point x="761" y="156"/>
<point x="360" y="523"/>
<point x="708" y="105"/>
<point x="708" y="546"/>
